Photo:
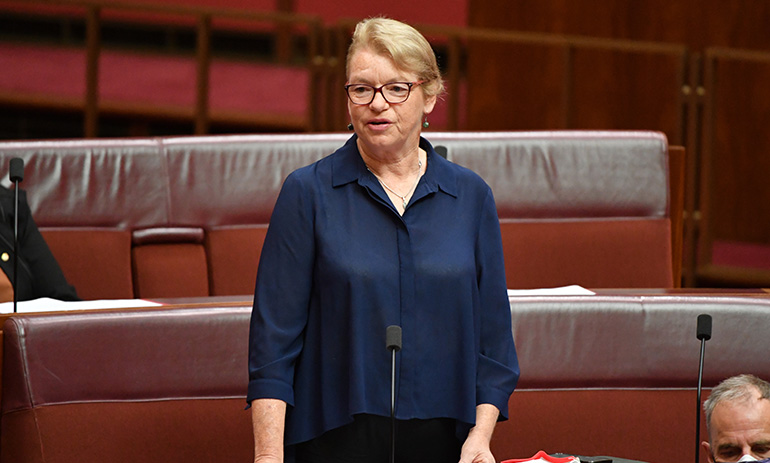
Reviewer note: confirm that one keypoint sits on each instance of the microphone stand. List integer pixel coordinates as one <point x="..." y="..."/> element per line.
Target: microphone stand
<point x="16" y="175"/>
<point x="393" y="343"/>
<point x="15" y="246"/>
<point x="704" y="334"/>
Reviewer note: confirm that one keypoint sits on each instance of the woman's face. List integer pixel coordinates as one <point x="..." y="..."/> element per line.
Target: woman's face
<point x="381" y="126"/>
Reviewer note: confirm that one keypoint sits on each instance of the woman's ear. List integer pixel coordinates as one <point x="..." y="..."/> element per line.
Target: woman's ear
<point x="430" y="103"/>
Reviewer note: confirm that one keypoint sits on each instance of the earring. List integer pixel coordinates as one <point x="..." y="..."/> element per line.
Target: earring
<point x="425" y="123"/>
<point x="350" y="126"/>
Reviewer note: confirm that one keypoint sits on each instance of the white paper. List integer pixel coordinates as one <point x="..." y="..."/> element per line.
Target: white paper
<point x="572" y="290"/>
<point x="45" y="304"/>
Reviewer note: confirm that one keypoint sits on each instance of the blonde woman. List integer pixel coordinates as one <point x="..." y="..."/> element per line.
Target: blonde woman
<point x="382" y="232"/>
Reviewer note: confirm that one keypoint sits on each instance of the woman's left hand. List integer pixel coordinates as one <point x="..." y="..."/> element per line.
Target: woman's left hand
<point x="476" y="450"/>
<point x="476" y="446"/>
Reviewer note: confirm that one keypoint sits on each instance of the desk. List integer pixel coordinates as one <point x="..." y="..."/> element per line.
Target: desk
<point x="613" y="373"/>
<point x="166" y="304"/>
<point x="160" y="385"/>
<point x="718" y="292"/>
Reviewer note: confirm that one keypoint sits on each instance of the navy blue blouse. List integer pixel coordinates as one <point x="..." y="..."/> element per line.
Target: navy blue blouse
<point x="339" y="265"/>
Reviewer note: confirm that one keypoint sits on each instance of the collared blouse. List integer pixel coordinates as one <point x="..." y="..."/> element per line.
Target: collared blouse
<point x="339" y="265"/>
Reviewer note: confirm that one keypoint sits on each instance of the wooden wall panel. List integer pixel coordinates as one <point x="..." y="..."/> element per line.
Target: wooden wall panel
<point x="737" y="147"/>
<point x="697" y="23"/>
<point x="515" y="86"/>
<point x="726" y="97"/>
<point x="735" y="24"/>
<point x="628" y="88"/>
<point x="575" y="84"/>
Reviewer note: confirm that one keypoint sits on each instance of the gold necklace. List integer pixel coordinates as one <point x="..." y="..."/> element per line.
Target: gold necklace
<point x="403" y="198"/>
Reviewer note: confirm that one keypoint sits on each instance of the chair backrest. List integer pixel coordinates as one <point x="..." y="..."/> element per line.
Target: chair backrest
<point x="582" y="207"/>
<point x="186" y="216"/>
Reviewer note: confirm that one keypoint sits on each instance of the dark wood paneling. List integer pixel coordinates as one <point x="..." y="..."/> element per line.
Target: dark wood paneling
<point x="735" y="24"/>
<point x="697" y="23"/>
<point x="515" y="86"/>
<point x="650" y="20"/>
<point x="574" y="83"/>
<point x="719" y="110"/>
<point x="737" y="147"/>
<point x="628" y="88"/>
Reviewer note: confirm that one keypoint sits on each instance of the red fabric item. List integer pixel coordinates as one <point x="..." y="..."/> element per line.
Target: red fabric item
<point x="541" y="455"/>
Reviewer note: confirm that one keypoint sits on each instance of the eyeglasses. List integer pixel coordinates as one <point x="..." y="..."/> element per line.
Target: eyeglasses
<point x="393" y="92"/>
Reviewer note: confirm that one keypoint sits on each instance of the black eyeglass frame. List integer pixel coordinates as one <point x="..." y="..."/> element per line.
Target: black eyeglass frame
<point x="379" y="89"/>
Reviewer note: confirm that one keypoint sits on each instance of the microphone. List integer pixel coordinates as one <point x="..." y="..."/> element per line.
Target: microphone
<point x="703" y="333"/>
<point x="393" y="338"/>
<point x="704" y="327"/>
<point x="393" y="344"/>
<point x="16" y="174"/>
<point x="16" y="170"/>
<point x="441" y="150"/>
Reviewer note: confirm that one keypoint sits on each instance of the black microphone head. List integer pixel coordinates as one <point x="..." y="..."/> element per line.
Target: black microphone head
<point x="393" y="338"/>
<point x="16" y="170"/>
<point x="441" y="150"/>
<point x="704" y="327"/>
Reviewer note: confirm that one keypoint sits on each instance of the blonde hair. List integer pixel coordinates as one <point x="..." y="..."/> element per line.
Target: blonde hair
<point x="402" y="43"/>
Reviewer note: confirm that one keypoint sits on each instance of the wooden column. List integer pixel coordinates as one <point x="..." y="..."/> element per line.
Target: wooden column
<point x="93" y="47"/>
<point x="203" y="66"/>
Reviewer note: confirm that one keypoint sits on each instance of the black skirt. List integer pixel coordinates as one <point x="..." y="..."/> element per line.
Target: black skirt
<point x="367" y="440"/>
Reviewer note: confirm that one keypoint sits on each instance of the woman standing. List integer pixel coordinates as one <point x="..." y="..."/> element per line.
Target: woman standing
<point x="382" y="232"/>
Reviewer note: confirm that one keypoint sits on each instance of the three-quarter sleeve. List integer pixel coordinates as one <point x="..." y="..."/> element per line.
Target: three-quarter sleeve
<point x="282" y="294"/>
<point x="498" y="367"/>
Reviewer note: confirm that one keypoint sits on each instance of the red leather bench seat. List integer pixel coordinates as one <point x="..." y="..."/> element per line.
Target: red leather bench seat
<point x="587" y="208"/>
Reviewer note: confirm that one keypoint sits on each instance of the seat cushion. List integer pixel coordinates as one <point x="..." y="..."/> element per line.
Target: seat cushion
<point x="233" y="255"/>
<point x="632" y="253"/>
<point x="85" y="252"/>
<point x="170" y="270"/>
